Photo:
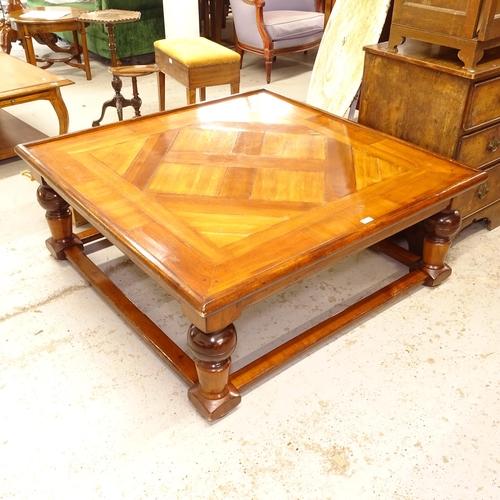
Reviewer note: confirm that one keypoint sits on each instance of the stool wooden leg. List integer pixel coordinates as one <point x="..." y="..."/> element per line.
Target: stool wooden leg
<point x="191" y="96"/>
<point x="235" y="88"/>
<point x="203" y="94"/>
<point x="161" y="90"/>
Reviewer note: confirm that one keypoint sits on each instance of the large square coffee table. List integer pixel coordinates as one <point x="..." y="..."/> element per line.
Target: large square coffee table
<point x="228" y="202"/>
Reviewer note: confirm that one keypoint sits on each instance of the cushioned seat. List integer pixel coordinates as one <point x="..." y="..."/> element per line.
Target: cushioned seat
<point x="288" y="24"/>
<point x="197" y="63"/>
<point x="273" y="27"/>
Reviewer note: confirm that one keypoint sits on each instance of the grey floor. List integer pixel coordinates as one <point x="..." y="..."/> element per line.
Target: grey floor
<point x="403" y="406"/>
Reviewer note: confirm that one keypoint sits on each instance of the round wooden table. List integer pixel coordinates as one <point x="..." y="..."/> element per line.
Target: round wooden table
<point x="41" y="23"/>
<point x="110" y="17"/>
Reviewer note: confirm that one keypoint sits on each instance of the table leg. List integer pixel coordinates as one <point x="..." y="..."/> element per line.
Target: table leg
<point x="77" y="51"/>
<point x="85" y="50"/>
<point x="58" y="216"/>
<point x="116" y="102"/>
<point x="136" y="101"/>
<point x="28" y="48"/>
<point x="60" y="108"/>
<point x="440" y="229"/>
<point x="112" y="45"/>
<point x="213" y="396"/>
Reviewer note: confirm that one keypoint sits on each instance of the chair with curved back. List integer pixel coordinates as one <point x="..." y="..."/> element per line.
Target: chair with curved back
<point x="273" y="27"/>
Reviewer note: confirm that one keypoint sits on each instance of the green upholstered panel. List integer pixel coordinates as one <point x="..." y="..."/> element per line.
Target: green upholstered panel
<point x="132" y="39"/>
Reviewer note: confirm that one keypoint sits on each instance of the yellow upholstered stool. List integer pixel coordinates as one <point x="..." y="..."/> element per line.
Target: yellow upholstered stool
<point x="197" y="63"/>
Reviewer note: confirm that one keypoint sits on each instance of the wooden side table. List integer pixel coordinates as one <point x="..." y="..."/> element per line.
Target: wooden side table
<point x="23" y="83"/>
<point x="41" y="23"/>
<point x="423" y="95"/>
<point x="109" y="18"/>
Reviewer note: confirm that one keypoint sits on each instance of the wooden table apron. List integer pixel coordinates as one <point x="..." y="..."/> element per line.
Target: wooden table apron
<point x="228" y="202"/>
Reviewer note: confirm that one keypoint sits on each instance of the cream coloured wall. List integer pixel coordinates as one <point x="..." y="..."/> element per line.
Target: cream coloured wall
<point x="181" y="18"/>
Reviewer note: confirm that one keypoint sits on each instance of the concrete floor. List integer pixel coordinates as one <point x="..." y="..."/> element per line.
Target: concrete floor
<point x="405" y="405"/>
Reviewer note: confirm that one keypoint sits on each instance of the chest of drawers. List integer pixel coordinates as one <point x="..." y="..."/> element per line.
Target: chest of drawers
<point x="471" y="26"/>
<point x="422" y="94"/>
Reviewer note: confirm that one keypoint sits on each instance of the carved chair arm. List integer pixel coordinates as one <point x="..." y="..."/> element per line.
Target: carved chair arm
<point x="309" y="5"/>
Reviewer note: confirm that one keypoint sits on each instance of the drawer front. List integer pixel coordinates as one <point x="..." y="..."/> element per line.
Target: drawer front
<point x="450" y="17"/>
<point x="480" y="148"/>
<point x="481" y="196"/>
<point x="484" y="104"/>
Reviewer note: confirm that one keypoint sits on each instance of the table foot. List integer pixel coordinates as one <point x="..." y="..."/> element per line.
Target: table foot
<point x="119" y="102"/>
<point x="112" y="103"/>
<point x="470" y="56"/>
<point x="440" y="229"/>
<point x="58" y="217"/>
<point x="213" y="396"/>
<point x="213" y="409"/>
<point x="395" y="39"/>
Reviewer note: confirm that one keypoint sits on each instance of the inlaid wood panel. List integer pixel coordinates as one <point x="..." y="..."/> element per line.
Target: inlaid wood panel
<point x="219" y="200"/>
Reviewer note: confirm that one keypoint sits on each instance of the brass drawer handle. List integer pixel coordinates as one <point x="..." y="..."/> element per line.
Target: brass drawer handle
<point x="493" y="145"/>
<point x="482" y="191"/>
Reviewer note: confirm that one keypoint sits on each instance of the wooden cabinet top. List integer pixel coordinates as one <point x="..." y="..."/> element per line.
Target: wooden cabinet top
<point x="439" y="58"/>
<point x="459" y="18"/>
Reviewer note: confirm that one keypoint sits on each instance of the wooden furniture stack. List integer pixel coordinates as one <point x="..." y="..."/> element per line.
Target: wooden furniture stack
<point x="471" y="26"/>
<point x="422" y="93"/>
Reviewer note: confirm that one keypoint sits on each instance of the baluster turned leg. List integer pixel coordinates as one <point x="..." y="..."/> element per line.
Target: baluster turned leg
<point x="213" y="396"/>
<point x="136" y="101"/>
<point x="58" y="216"/>
<point x="440" y="228"/>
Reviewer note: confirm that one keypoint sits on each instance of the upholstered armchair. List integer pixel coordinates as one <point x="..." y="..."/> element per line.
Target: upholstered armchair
<point x="273" y="27"/>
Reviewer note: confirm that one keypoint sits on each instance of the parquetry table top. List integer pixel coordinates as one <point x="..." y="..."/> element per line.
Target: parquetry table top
<point x="227" y="202"/>
<point x="218" y="199"/>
